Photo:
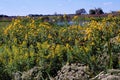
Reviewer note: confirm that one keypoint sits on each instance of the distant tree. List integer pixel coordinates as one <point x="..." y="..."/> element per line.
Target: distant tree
<point x="96" y="11"/>
<point x="81" y="11"/>
<point x="99" y="11"/>
<point x="91" y="11"/>
<point x="3" y="15"/>
<point x="35" y="15"/>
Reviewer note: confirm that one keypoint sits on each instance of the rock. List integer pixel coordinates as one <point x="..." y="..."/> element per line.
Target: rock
<point x="17" y="75"/>
<point x="74" y="71"/>
<point x="32" y="74"/>
<point x="112" y="74"/>
<point x="111" y="77"/>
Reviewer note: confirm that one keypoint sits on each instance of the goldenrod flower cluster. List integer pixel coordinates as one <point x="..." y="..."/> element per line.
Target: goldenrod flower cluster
<point x="28" y="42"/>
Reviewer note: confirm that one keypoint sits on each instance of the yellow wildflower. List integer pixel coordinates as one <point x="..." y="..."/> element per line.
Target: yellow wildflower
<point x="49" y="36"/>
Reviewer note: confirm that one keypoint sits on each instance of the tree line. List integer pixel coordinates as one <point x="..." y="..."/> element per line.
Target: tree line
<point x="91" y="11"/>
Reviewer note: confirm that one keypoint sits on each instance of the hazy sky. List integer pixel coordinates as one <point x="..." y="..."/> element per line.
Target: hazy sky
<point x="25" y="7"/>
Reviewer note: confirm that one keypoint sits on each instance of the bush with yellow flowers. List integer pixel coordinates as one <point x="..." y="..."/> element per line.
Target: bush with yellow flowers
<point x="29" y="42"/>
